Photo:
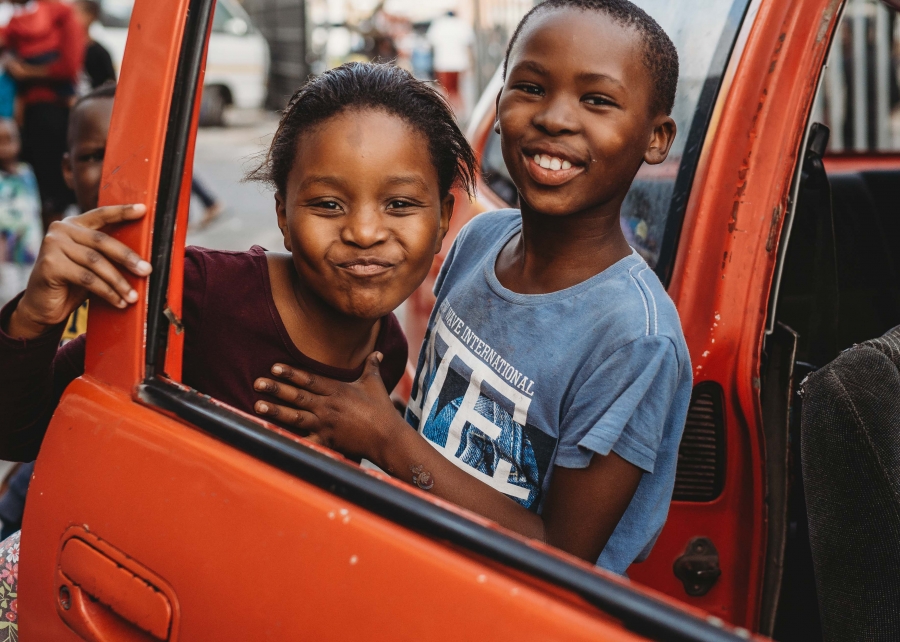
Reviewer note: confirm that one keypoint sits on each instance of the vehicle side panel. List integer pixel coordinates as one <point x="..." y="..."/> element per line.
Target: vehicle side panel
<point x="252" y="553"/>
<point x="721" y="283"/>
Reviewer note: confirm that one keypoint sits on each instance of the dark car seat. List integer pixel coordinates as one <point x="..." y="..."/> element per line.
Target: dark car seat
<point x="850" y="448"/>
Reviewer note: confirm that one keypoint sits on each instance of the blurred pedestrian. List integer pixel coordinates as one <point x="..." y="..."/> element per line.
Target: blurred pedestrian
<point x="451" y="39"/>
<point x="45" y="53"/>
<point x="20" y="214"/>
<point x="98" y="64"/>
<point x="212" y="206"/>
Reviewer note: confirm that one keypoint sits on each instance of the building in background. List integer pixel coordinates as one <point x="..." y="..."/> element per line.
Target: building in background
<point x="283" y="24"/>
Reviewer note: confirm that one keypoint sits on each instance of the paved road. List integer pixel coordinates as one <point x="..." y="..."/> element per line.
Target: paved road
<point x="222" y="158"/>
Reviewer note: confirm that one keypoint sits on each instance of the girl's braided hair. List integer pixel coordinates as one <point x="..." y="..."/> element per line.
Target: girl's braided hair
<point x="358" y="85"/>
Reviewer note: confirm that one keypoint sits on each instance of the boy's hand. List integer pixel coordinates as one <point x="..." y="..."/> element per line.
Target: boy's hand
<point x="356" y="419"/>
<point x="77" y="259"/>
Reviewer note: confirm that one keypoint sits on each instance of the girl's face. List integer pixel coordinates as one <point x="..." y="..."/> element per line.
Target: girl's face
<point x="362" y="213"/>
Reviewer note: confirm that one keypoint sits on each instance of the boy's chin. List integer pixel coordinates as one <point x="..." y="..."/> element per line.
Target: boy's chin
<point x="366" y="309"/>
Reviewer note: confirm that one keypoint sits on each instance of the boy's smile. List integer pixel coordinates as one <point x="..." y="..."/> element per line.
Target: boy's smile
<point x="575" y="112"/>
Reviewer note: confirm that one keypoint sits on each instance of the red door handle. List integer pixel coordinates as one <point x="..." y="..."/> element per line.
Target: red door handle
<point x="103" y="601"/>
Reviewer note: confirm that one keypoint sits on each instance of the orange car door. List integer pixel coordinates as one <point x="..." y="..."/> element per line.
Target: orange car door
<point x="156" y="513"/>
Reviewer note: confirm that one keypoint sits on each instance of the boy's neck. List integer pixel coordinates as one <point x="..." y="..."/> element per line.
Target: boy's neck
<point x="553" y="253"/>
<point x="318" y="330"/>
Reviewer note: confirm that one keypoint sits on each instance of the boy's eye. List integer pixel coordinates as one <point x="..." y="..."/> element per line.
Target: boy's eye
<point x="399" y="204"/>
<point x="599" y="101"/>
<point x="95" y="157"/>
<point x="327" y="205"/>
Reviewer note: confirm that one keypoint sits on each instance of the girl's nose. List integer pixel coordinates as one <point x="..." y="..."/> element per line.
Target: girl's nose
<point x="558" y="116"/>
<point x="364" y="228"/>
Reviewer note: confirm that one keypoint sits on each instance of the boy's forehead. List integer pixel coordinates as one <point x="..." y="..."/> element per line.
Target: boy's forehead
<point x="581" y="40"/>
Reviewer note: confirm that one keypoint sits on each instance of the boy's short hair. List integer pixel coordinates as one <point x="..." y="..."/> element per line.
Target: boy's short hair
<point x="106" y="90"/>
<point x="660" y="56"/>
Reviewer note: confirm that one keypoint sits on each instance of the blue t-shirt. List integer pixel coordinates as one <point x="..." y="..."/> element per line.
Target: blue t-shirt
<point x="509" y="385"/>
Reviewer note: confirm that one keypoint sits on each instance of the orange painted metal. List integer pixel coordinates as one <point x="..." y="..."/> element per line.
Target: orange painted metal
<point x="254" y="553"/>
<point x="115" y="339"/>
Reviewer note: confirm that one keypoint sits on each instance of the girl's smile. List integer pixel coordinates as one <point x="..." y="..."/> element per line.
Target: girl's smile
<point x="362" y="214"/>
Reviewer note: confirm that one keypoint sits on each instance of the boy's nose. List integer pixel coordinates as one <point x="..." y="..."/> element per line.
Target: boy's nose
<point x="364" y="228"/>
<point x="558" y="116"/>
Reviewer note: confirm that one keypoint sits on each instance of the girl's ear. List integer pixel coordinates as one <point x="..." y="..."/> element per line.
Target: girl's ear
<point x="497" y="113"/>
<point x="660" y="140"/>
<point x="446" y="213"/>
<point x="281" y="213"/>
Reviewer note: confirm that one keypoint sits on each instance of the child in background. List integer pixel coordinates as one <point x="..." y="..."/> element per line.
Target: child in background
<point x="45" y="45"/>
<point x="20" y="214"/>
<point x="552" y="388"/>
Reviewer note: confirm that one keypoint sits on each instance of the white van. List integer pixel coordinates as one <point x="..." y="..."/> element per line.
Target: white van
<point x="237" y="68"/>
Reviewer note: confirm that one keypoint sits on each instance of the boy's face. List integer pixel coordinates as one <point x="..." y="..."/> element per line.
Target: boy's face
<point x="578" y="97"/>
<point x="10" y="144"/>
<point x="83" y="163"/>
<point x="362" y="214"/>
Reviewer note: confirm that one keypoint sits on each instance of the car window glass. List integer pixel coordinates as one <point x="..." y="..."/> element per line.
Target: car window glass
<point x="860" y="95"/>
<point x="701" y="36"/>
<point x="221" y="18"/>
<point x="117" y="13"/>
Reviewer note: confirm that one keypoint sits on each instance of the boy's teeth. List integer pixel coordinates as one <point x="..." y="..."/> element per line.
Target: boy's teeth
<point x="551" y="162"/>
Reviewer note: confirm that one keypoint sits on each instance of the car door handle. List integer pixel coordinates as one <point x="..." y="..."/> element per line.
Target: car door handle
<point x="103" y="601"/>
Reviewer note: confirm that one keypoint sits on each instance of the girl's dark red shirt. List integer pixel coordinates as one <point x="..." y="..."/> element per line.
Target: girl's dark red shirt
<point x="233" y="334"/>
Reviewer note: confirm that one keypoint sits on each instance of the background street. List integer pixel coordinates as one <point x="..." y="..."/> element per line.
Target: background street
<point x="223" y="156"/>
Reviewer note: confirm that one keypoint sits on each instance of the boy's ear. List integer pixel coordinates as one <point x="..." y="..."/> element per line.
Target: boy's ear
<point x="67" y="171"/>
<point x="281" y="214"/>
<point x="446" y="213"/>
<point x="497" y="112"/>
<point x="661" y="140"/>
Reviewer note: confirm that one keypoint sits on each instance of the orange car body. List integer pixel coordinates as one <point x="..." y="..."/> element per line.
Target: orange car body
<point x="155" y="513"/>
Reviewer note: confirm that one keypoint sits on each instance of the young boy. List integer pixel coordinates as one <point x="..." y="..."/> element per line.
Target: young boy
<point x="553" y="385"/>
<point x="20" y="214"/>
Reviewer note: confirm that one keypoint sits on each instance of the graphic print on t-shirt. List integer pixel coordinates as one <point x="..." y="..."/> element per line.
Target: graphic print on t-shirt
<point x="472" y="405"/>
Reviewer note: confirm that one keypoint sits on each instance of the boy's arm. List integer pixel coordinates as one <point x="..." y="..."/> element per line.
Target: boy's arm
<point x="608" y="440"/>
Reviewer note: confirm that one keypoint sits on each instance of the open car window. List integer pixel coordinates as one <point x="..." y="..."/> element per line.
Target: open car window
<point x="654" y="208"/>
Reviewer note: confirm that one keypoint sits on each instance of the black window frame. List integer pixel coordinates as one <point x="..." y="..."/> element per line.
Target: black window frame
<point x="638" y="612"/>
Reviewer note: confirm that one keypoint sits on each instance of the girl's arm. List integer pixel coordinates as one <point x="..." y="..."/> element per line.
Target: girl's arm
<point x="582" y="507"/>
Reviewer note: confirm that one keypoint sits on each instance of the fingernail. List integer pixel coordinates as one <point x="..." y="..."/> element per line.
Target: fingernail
<point x="144" y="267"/>
<point x="261" y="407"/>
<point x="379" y="356"/>
<point x="260" y="385"/>
<point x="277" y="370"/>
<point x="139" y="207"/>
<point x="132" y="296"/>
<point x="121" y="304"/>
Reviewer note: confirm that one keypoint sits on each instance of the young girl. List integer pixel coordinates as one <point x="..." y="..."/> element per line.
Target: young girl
<point x="363" y="162"/>
<point x="553" y="385"/>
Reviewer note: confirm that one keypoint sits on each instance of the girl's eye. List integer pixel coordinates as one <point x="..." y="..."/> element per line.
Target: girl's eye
<point x="534" y="90"/>
<point x="327" y="205"/>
